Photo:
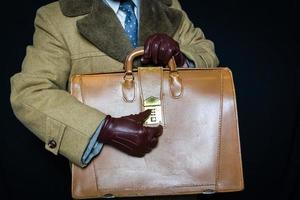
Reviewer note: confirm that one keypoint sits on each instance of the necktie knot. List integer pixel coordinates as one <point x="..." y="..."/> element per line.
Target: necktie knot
<point x="127" y="6"/>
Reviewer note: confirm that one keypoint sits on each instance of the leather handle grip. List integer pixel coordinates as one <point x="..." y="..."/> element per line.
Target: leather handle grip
<point x="139" y="52"/>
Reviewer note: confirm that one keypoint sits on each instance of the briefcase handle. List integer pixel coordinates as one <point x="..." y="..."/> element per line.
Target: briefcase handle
<point x="128" y="86"/>
<point x="128" y="65"/>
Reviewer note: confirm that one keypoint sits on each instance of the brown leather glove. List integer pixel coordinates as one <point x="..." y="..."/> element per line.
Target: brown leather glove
<point x="159" y="49"/>
<point x="129" y="135"/>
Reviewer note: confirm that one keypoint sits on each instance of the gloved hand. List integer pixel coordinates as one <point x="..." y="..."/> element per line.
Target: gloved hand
<point x="129" y="135"/>
<point x="159" y="49"/>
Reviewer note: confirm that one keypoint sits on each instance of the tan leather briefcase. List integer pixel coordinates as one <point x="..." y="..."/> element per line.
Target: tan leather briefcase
<point x="199" y="151"/>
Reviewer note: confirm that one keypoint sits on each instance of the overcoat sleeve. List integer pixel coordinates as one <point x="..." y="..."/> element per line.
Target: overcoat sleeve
<point x="193" y="42"/>
<point x="40" y="100"/>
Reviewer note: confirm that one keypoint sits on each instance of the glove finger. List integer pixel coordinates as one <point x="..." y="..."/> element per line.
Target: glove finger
<point x="141" y="117"/>
<point x="147" y="47"/>
<point x="179" y="58"/>
<point x="153" y="142"/>
<point x="145" y="61"/>
<point x="148" y="150"/>
<point x="159" y="131"/>
<point x="155" y="50"/>
<point x="155" y="131"/>
<point x="137" y="154"/>
<point x="163" y="49"/>
<point x="168" y="54"/>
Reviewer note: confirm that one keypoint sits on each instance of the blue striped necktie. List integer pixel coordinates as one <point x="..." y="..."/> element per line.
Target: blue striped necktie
<point x="131" y="22"/>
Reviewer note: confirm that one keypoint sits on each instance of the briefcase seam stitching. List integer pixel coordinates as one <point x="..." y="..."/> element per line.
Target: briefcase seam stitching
<point x="218" y="168"/>
<point x="220" y="172"/>
<point x="147" y="188"/>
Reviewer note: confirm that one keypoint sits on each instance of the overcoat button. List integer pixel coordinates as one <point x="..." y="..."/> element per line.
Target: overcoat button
<point x="52" y="144"/>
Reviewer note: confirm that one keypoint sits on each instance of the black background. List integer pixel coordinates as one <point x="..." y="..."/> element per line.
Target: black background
<point x="256" y="39"/>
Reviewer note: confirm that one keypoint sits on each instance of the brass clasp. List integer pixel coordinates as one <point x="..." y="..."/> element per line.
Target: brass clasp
<point x="154" y="104"/>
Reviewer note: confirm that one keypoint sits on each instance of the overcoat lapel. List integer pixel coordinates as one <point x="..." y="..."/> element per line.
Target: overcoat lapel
<point x="103" y="29"/>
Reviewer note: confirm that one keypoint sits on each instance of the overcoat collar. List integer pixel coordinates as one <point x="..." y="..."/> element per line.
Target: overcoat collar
<point x="103" y="29"/>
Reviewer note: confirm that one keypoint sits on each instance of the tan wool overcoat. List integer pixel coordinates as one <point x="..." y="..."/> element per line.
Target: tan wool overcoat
<point x="85" y="36"/>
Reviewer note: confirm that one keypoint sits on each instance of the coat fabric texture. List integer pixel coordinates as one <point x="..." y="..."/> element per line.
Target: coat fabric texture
<point x="79" y="37"/>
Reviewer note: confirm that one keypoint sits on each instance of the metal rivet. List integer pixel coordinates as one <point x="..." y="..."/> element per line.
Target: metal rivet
<point x="52" y="144"/>
<point x="109" y="196"/>
<point x="209" y="191"/>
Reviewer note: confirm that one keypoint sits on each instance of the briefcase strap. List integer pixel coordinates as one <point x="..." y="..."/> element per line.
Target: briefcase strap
<point x="150" y="86"/>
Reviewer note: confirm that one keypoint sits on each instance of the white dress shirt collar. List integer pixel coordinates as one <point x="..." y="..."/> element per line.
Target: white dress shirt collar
<point x="116" y="4"/>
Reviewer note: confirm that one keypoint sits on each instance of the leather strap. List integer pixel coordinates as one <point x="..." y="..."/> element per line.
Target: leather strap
<point x="150" y="85"/>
